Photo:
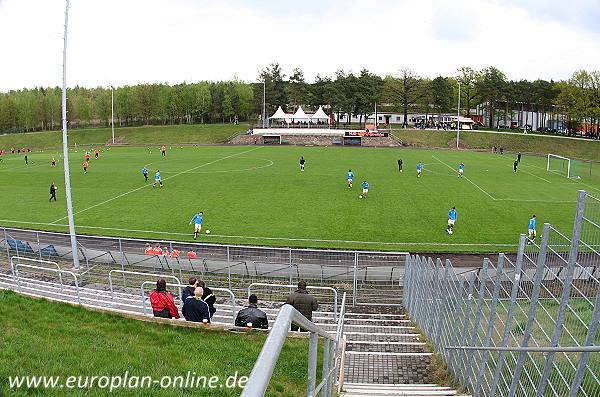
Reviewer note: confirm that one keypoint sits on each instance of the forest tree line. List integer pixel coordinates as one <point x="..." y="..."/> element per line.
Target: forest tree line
<point x="576" y="98"/>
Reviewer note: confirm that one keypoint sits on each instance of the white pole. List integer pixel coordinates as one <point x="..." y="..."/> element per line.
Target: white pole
<point x="66" y="149"/>
<point x="264" y="109"/>
<point x="112" y="112"/>
<point x="458" y="118"/>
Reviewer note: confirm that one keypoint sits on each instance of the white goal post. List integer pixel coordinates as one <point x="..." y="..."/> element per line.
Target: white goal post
<point x="559" y="164"/>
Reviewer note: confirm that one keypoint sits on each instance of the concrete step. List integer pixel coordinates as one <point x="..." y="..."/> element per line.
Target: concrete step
<point x="397" y="390"/>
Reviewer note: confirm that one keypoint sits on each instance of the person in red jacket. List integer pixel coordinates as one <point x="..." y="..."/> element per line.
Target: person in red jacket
<point x="162" y="301"/>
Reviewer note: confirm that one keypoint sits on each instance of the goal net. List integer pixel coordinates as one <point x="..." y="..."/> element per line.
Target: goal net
<point x="560" y="165"/>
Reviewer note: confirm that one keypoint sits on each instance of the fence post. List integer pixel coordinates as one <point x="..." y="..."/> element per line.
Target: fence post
<point x="313" y="347"/>
<point x="37" y="237"/>
<point x="514" y="293"/>
<point x="483" y="276"/>
<point x="533" y="303"/>
<point x="6" y="243"/>
<point x="468" y="305"/>
<point x="566" y="291"/>
<point x="324" y="373"/>
<point x="443" y="306"/>
<point x="589" y="341"/>
<point x="490" y="327"/>
<point x="354" y="282"/>
<point x="122" y="261"/>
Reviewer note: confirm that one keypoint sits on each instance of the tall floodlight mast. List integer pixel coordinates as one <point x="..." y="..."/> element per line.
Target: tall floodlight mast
<point x="74" y="250"/>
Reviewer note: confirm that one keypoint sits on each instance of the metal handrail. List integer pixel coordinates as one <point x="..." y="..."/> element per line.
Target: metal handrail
<point x="533" y="349"/>
<point x="335" y="295"/>
<point x="265" y="364"/>
<point x="59" y="271"/>
<point x="231" y="296"/>
<point x="12" y="258"/>
<point x="110" y="283"/>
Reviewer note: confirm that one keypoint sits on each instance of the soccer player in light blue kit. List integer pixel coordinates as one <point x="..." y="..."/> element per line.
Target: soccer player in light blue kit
<point x="197" y="219"/>
<point x="461" y="169"/>
<point x="531" y="228"/>
<point x="145" y="173"/>
<point x="157" y="179"/>
<point x="350" y="176"/>
<point x="419" y="169"/>
<point x="365" y="189"/>
<point x="452" y="215"/>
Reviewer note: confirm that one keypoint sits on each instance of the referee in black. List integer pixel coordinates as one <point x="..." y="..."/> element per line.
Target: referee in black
<point x="52" y="192"/>
<point x="400" y="165"/>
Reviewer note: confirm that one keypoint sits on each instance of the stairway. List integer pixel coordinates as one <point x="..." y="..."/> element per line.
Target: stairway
<point x="385" y="356"/>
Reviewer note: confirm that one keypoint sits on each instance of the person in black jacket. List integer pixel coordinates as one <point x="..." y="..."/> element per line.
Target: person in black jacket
<point x="303" y="302"/>
<point x="208" y="297"/>
<point x="195" y="309"/>
<point x="252" y="315"/>
<point x="52" y="192"/>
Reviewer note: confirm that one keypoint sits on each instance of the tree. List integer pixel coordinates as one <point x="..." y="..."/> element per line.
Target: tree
<point x="468" y="78"/>
<point x="297" y="89"/>
<point x="490" y="86"/>
<point x="442" y="95"/>
<point x="403" y="90"/>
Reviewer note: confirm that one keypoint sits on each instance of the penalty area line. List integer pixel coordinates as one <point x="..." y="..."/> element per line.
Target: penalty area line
<point x="147" y="185"/>
<point x="267" y="238"/>
<point x="470" y="181"/>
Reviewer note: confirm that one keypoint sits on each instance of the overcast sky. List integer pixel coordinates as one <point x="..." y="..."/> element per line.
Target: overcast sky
<point x="131" y="41"/>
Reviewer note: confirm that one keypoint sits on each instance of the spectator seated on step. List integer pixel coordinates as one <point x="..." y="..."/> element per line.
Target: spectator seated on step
<point x="252" y="316"/>
<point x="189" y="290"/>
<point x="195" y="309"/>
<point x="175" y="253"/>
<point x="191" y="254"/>
<point x="303" y="302"/>
<point x="157" y="249"/>
<point x="208" y="297"/>
<point x="162" y="301"/>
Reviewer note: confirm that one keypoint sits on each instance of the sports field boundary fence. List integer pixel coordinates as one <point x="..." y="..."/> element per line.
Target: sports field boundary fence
<point x="523" y="328"/>
<point x="369" y="277"/>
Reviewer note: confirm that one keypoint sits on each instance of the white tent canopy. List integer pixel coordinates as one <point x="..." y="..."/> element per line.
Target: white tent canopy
<point x="279" y="115"/>
<point x="319" y="115"/>
<point x="300" y="115"/>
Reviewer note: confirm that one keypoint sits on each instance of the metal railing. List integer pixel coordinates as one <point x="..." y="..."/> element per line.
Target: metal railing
<point x="372" y="276"/>
<point x="47" y="269"/>
<point x="180" y="286"/>
<point x="124" y="272"/>
<point x="34" y="261"/>
<point x="526" y="328"/>
<point x="265" y="364"/>
<point x="310" y="287"/>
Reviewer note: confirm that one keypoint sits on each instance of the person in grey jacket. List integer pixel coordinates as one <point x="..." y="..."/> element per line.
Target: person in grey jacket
<point x="252" y="315"/>
<point x="303" y="302"/>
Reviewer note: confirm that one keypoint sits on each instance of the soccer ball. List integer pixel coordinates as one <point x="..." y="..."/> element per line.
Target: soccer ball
<point x="207" y="231"/>
<point x="360" y="196"/>
<point x="150" y="151"/>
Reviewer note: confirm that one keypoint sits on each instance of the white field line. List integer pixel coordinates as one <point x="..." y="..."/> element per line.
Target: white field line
<point x="262" y="237"/>
<point x="470" y="181"/>
<point x="568" y="179"/>
<point x="539" y="177"/>
<point x="147" y="185"/>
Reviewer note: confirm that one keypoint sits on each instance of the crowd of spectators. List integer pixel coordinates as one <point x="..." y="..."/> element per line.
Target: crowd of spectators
<point x="199" y="305"/>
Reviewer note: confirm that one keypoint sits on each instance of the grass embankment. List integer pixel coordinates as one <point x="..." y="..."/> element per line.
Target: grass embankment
<point x="147" y="135"/>
<point x="54" y="339"/>
<point x="573" y="148"/>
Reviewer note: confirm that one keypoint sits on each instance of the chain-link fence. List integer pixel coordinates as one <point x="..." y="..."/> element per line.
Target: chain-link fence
<point x="523" y="328"/>
<point x="369" y="277"/>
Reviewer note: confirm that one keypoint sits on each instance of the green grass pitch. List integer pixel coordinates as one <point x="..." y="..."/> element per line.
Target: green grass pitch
<point x="257" y="195"/>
